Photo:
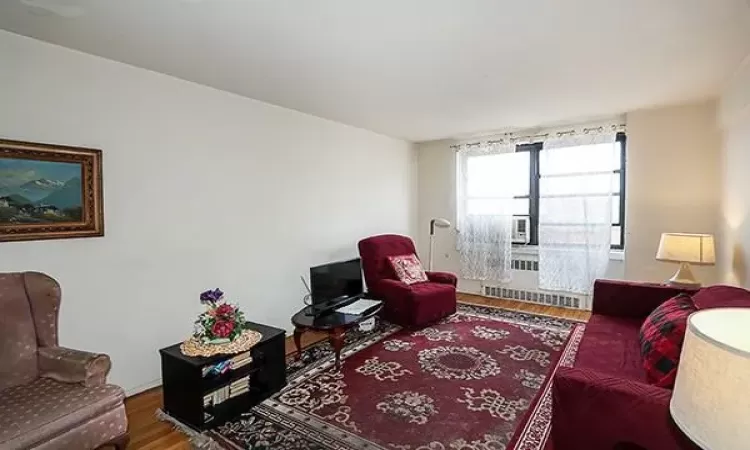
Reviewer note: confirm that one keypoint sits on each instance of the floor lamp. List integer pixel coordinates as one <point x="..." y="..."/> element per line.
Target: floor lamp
<point x="440" y="223"/>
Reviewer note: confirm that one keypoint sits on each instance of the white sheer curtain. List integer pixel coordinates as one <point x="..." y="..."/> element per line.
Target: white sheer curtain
<point x="486" y="179"/>
<point x="576" y="184"/>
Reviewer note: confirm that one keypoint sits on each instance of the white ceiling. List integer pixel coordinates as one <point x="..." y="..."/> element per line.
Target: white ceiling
<point x="417" y="69"/>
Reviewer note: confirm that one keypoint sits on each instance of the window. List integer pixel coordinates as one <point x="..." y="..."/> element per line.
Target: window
<point x="532" y="173"/>
<point x="491" y="179"/>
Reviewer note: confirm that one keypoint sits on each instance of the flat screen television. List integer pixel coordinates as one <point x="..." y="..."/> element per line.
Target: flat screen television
<point x="335" y="281"/>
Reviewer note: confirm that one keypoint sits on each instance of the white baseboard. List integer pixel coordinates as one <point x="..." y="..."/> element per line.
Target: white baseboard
<point x="143" y="387"/>
<point x="469" y="293"/>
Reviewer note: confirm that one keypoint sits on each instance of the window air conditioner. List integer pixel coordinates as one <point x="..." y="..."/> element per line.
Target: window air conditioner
<point x="521" y="232"/>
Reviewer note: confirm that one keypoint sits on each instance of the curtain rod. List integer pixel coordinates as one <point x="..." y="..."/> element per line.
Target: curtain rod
<point x="512" y="137"/>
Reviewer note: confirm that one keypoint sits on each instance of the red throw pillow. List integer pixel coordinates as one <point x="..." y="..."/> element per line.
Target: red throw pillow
<point x="408" y="268"/>
<point x="661" y="339"/>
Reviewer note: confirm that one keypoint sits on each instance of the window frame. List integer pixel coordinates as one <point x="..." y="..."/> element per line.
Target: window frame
<point x="534" y="177"/>
<point x="621" y="139"/>
<point x="533" y="196"/>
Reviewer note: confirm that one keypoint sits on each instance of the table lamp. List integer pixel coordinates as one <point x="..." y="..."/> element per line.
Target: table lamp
<point x="685" y="249"/>
<point x="711" y="400"/>
<point x="440" y="223"/>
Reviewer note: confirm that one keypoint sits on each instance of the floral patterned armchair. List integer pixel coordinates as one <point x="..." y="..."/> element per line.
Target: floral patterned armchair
<point x="51" y="397"/>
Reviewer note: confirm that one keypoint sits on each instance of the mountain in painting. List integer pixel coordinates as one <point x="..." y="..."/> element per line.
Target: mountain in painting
<point x="38" y="189"/>
<point x="44" y="183"/>
<point x="68" y="196"/>
<point x="19" y="200"/>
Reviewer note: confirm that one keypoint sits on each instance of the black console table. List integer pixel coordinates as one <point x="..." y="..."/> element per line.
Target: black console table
<point x="203" y="398"/>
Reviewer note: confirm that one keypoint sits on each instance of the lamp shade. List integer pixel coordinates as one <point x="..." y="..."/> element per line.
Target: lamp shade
<point x="441" y="223"/>
<point x="711" y="400"/>
<point x="690" y="248"/>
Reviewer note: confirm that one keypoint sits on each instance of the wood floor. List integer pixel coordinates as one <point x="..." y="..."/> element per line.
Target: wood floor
<point x="148" y="433"/>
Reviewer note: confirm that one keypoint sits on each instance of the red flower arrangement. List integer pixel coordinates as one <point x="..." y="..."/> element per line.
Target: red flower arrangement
<point x="222" y="328"/>
<point x="221" y="322"/>
<point x="225" y="310"/>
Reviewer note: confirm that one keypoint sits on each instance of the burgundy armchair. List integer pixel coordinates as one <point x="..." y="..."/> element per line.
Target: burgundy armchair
<point x="604" y="401"/>
<point x="51" y="397"/>
<point x="407" y="305"/>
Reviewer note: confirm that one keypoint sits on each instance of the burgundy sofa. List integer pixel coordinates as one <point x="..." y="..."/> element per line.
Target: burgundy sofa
<point x="407" y="305"/>
<point x="51" y="397"/>
<point x="604" y="402"/>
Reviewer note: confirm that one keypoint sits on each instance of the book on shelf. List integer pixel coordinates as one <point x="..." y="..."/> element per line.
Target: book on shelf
<point x="243" y="363"/>
<point x="226" y="365"/>
<point x="240" y="360"/>
<point x="239" y="387"/>
<point x="238" y="392"/>
<point x="216" y="397"/>
<point x="240" y="356"/>
<point x="223" y="394"/>
<point x="242" y="380"/>
<point x="233" y="389"/>
<point x="218" y="368"/>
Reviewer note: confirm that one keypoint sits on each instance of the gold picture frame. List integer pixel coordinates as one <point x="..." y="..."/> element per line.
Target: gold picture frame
<point x="49" y="191"/>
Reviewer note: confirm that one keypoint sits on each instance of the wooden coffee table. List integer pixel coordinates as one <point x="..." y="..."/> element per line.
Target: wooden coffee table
<point x="334" y="323"/>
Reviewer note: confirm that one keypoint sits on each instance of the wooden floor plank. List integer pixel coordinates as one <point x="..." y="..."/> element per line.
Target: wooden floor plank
<point x="148" y="433"/>
<point x="546" y="310"/>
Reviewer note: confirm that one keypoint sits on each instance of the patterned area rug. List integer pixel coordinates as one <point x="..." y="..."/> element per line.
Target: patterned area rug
<point x="466" y="383"/>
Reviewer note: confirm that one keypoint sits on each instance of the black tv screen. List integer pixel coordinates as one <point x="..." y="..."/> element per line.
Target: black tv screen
<point x="331" y="281"/>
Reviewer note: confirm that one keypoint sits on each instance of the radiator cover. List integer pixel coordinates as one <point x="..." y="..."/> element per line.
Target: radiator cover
<point x="542" y="298"/>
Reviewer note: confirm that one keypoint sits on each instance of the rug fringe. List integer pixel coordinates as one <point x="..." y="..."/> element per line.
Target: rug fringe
<point x="198" y="440"/>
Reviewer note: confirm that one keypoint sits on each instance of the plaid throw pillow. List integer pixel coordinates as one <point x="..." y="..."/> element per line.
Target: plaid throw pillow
<point x="661" y="339"/>
<point x="408" y="268"/>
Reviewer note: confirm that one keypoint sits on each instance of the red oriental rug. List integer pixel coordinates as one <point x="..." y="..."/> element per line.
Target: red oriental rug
<point x="467" y="383"/>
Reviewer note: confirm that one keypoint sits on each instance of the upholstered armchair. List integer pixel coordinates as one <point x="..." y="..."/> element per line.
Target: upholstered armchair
<point x="407" y="305"/>
<point x="51" y="397"/>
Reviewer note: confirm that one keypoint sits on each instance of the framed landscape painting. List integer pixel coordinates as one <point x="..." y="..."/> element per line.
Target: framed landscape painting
<point x="49" y="191"/>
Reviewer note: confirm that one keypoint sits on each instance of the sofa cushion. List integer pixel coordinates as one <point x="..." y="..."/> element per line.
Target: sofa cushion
<point x="408" y="268"/>
<point x="610" y="345"/>
<point x="722" y="297"/>
<point x="18" y="363"/>
<point x="92" y="434"/>
<point x="661" y="337"/>
<point x="34" y="412"/>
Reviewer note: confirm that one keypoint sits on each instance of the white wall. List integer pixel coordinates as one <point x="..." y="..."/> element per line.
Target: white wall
<point x="671" y="185"/>
<point x="203" y="189"/>
<point x="734" y="244"/>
